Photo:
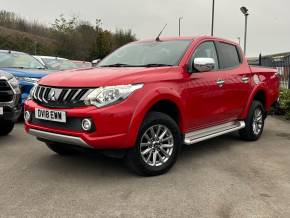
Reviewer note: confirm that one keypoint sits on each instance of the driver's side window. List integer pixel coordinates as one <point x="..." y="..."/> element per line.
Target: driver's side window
<point x="206" y="50"/>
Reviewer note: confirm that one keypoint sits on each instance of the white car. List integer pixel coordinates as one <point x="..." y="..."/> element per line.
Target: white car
<point x="56" y="63"/>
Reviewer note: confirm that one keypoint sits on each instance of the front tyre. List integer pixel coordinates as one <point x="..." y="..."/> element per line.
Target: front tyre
<point x="157" y="147"/>
<point x="254" y="122"/>
<point x="6" y="127"/>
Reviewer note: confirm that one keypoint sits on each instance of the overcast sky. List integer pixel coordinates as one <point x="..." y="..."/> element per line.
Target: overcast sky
<point x="268" y="31"/>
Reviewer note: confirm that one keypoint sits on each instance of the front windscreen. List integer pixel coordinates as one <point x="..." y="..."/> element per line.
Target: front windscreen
<point x="157" y="53"/>
<point x="19" y="60"/>
<point x="59" y="64"/>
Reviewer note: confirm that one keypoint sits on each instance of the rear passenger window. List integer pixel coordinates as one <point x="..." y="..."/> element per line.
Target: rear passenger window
<point x="228" y="55"/>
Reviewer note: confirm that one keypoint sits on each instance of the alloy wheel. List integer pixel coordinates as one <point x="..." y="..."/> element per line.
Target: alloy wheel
<point x="258" y="121"/>
<point x="157" y="145"/>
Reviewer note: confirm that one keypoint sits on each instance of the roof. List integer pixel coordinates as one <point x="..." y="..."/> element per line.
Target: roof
<point x="10" y="51"/>
<point x="201" y="37"/>
<point x="172" y="38"/>
<point x="49" y="57"/>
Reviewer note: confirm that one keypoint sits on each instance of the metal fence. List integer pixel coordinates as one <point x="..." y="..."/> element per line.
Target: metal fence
<point x="282" y="64"/>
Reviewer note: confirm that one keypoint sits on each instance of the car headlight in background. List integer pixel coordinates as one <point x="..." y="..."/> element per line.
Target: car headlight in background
<point x="109" y="95"/>
<point x="32" y="91"/>
<point x="28" y="79"/>
<point x="14" y="83"/>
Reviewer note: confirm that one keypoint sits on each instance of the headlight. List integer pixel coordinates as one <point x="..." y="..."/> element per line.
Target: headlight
<point x="109" y="95"/>
<point x="28" y="79"/>
<point x="14" y="83"/>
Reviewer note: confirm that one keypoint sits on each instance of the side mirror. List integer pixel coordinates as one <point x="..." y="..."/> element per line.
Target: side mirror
<point x="95" y="62"/>
<point x="204" y="64"/>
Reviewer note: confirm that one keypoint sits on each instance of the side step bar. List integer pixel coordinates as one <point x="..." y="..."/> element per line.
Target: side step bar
<point x="211" y="132"/>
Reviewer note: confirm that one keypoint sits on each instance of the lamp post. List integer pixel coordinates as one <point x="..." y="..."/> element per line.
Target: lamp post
<point x="212" y="17"/>
<point x="244" y="10"/>
<point x="179" y="25"/>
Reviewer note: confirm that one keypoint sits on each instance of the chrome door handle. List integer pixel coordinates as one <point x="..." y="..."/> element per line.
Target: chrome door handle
<point x="220" y="82"/>
<point x="245" y="79"/>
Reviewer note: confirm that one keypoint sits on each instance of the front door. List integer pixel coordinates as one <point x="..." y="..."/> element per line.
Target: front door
<point x="205" y="91"/>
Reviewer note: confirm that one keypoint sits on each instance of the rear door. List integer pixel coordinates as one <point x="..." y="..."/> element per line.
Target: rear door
<point x="236" y="75"/>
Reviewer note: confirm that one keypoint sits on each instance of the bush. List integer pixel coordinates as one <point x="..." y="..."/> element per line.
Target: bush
<point x="285" y="102"/>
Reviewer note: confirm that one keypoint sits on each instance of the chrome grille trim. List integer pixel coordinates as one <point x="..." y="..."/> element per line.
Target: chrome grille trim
<point x="45" y="94"/>
<point x="38" y="94"/>
<point x="60" y="97"/>
<point x="76" y="94"/>
<point x="86" y="94"/>
<point x="66" y="94"/>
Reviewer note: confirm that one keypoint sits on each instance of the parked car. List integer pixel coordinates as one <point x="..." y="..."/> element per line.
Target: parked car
<point x="148" y="98"/>
<point x="10" y="108"/>
<point x="24" y="67"/>
<point x="82" y="64"/>
<point x="56" y="63"/>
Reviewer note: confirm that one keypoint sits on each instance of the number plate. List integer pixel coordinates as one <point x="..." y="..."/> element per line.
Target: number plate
<point x="1" y="111"/>
<point x="51" y="115"/>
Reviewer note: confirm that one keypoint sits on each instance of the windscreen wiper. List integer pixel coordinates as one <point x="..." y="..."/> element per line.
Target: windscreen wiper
<point x="117" y="65"/>
<point x="15" y="67"/>
<point x="145" y="65"/>
<point x="27" y="68"/>
<point x="156" y="65"/>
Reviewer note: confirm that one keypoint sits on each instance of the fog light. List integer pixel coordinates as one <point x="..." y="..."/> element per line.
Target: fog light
<point x="86" y="124"/>
<point x="27" y="116"/>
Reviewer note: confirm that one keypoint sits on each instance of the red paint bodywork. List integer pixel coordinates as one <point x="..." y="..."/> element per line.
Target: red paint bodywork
<point x="200" y="102"/>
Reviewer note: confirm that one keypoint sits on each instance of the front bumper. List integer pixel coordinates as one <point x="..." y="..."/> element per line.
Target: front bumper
<point x="12" y="109"/>
<point x="54" y="137"/>
<point x="111" y="126"/>
<point x="11" y="113"/>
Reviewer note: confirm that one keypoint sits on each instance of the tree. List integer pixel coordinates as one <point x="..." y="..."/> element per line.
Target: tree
<point x="67" y="37"/>
<point x="63" y="25"/>
<point x="122" y="37"/>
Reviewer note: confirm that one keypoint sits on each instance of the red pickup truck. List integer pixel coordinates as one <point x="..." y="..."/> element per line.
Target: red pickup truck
<point x="148" y="98"/>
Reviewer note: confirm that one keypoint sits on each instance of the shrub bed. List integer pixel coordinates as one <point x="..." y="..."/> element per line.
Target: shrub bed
<point x="284" y="103"/>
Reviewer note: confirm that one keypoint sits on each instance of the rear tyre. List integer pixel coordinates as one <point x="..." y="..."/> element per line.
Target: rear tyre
<point x="157" y="146"/>
<point x="254" y="122"/>
<point x="6" y="127"/>
<point x="60" y="149"/>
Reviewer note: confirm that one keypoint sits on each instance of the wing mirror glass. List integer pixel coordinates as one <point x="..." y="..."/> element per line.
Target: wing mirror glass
<point x="204" y="64"/>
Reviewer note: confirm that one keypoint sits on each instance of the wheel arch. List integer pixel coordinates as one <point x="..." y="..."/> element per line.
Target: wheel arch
<point x="157" y="100"/>
<point x="168" y="107"/>
<point x="260" y="94"/>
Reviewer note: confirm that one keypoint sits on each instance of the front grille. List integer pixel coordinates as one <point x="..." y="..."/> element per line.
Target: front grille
<point x="60" y="97"/>
<point x="4" y="86"/>
<point x="6" y="93"/>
